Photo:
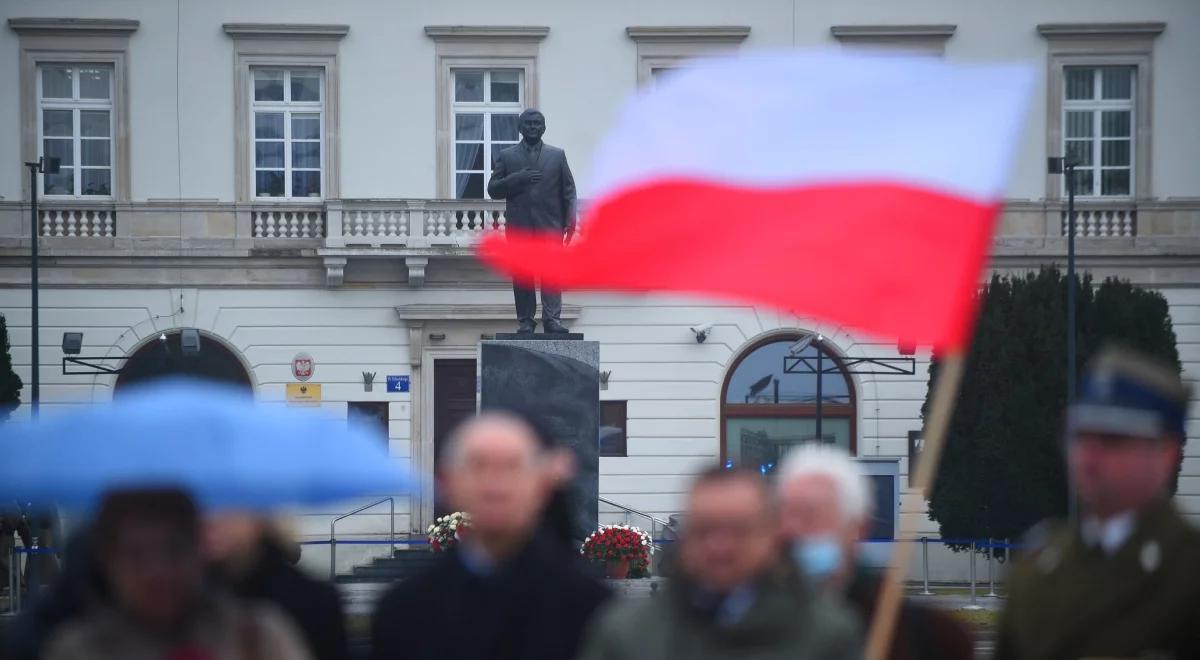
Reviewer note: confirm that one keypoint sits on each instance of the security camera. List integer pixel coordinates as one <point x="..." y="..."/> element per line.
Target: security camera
<point x="800" y="346"/>
<point x="701" y="332"/>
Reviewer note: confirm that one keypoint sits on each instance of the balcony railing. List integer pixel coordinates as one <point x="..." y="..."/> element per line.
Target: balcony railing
<point x="412" y="223"/>
<point x="1102" y="222"/>
<point x="287" y="222"/>
<point x="85" y="222"/>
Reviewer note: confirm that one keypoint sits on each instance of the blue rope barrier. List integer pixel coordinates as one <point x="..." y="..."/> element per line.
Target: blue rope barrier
<point x="369" y="542"/>
<point x="35" y="551"/>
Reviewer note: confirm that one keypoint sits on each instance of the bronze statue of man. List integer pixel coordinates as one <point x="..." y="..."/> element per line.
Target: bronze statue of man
<point x="539" y="192"/>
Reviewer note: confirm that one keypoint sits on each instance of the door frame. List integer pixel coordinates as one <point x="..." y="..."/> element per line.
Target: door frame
<point x="424" y="462"/>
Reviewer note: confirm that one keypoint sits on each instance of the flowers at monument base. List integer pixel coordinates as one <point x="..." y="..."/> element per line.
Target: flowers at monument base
<point x="620" y="542"/>
<point x="448" y="531"/>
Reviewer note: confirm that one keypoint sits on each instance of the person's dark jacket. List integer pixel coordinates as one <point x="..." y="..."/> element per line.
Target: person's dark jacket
<point x="783" y="620"/>
<point x="534" y="607"/>
<point x="312" y="605"/>
<point x="922" y="632"/>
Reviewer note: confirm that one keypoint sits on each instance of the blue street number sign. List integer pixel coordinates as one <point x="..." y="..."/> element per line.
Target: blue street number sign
<point x="397" y="383"/>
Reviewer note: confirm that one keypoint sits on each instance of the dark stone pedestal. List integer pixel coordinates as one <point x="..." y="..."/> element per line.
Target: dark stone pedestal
<point x="557" y="380"/>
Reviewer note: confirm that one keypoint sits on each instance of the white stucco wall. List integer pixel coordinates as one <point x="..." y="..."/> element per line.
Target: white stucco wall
<point x="182" y="147"/>
<point x="181" y="76"/>
<point x="673" y="384"/>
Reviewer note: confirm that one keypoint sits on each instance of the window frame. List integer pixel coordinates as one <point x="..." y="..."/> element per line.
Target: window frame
<point x="358" y="408"/>
<point x="477" y="47"/>
<point x="848" y="411"/>
<point x="286" y="46"/>
<point x="487" y="108"/>
<point x="624" y="405"/>
<point x="77" y="41"/>
<point x="1102" y="45"/>
<point x="76" y="104"/>
<point x="288" y="108"/>
<point x="1096" y="107"/>
<point x="671" y="46"/>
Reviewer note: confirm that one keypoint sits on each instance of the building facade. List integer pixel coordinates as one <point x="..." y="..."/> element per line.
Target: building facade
<point x="307" y="182"/>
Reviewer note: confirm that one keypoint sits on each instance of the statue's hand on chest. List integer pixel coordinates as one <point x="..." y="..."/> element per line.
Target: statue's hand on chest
<point x="529" y="177"/>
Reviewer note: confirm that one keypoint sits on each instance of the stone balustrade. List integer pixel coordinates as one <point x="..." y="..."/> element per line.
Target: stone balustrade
<point x="1104" y="222"/>
<point x="285" y="222"/>
<point x="412" y="223"/>
<point x="92" y="222"/>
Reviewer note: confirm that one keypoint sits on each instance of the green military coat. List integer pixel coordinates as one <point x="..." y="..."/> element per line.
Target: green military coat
<point x="1069" y="600"/>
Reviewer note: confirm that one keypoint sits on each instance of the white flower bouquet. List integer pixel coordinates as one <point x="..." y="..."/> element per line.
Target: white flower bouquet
<point x="448" y="531"/>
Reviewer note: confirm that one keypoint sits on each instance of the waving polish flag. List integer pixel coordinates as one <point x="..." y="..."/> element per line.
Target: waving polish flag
<point x="857" y="189"/>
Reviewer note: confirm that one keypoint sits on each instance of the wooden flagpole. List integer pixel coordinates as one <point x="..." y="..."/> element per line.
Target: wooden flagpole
<point x="945" y="393"/>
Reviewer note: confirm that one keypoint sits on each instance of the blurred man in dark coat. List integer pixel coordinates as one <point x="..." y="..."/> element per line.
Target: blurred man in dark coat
<point x="539" y="192"/>
<point x="825" y="506"/>
<point x="507" y="591"/>
<point x="731" y="594"/>
<point x="1121" y="581"/>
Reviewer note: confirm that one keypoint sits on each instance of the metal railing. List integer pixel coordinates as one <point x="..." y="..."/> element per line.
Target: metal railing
<point x="632" y="511"/>
<point x="976" y="545"/>
<point x="667" y="527"/>
<point x="15" y="587"/>
<point x="333" y="528"/>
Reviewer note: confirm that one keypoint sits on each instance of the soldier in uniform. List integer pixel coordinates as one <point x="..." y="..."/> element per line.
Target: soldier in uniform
<point x="1123" y="581"/>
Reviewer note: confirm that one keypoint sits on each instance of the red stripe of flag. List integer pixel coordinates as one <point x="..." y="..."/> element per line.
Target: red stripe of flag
<point x="893" y="260"/>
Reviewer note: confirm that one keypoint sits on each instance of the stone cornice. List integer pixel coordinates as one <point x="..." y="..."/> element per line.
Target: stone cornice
<point x="59" y="27"/>
<point x="718" y="33"/>
<point x="285" y="30"/>
<point x="1107" y="30"/>
<point x="453" y="312"/>
<point x="890" y="32"/>
<point x="487" y="32"/>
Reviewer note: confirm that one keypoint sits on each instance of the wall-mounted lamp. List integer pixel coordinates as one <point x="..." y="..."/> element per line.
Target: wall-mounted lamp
<point x="604" y="379"/>
<point x="189" y="342"/>
<point x="368" y="381"/>
<point x="72" y="343"/>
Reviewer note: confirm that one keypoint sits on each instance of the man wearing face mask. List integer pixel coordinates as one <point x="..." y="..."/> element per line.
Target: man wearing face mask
<point x="731" y="594"/>
<point x="824" y="501"/>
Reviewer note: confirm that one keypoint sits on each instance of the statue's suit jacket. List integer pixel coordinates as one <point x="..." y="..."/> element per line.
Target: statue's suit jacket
<point x="548" y="205"/>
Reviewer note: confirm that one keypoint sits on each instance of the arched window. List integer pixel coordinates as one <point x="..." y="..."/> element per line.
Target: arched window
<point x="765" y="411"/>
<point x="161" y="358"/>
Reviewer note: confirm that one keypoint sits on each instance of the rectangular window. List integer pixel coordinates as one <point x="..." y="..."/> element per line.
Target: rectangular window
<point x="75" y="125"/>
<point x="1098" y="122"/>
<point x="287" y="111"/>
<point x="371" y="416"/>
<point x="485" y="109"/>
<point x="614" y="420"/>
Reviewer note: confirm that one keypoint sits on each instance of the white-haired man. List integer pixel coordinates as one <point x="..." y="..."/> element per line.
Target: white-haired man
<point x="825" y="506"/>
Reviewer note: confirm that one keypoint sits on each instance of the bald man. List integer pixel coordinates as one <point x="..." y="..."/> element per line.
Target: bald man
<point x="505" y="591"/>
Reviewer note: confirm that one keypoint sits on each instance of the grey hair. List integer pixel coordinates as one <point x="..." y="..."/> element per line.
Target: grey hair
<point x="451" y="450"/>
<point x="833" y="463"/>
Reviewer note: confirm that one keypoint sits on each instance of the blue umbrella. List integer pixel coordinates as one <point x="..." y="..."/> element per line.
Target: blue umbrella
<point x="210" y="440"/>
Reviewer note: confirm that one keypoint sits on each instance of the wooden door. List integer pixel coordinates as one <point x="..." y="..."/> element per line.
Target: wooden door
<point x="453" y="401"/>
